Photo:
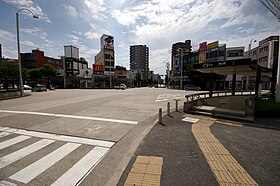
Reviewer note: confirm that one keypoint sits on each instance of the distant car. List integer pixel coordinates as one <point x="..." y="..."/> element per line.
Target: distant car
<point x="121" y="86"/>
<point x="39" y="88"/>
<point x="27" y="87"/>
<point x="192" y="87"/>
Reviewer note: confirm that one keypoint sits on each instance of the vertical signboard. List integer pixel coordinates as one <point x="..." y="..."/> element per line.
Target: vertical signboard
<point x="202" y="52"/>
<point x="107" y="42"/>
<point x="98" y="69"/>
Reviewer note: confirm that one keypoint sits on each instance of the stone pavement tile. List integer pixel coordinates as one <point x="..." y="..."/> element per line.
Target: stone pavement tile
<point x="151" y="180"/>
<point x="134" y="178"/>
<point x="139" y="168"/>
<point x="142" y="159"/>
<point x="154" y="169"/>
<point x="156" y="160"/>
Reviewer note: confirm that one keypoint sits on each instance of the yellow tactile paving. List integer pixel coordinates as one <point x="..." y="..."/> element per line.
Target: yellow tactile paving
<point x="225" y="168"/>
<point x="146" y="170"/>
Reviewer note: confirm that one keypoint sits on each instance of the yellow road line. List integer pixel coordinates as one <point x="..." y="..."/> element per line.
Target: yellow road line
<point x="224" y="166"/>
<point x="146" y="170"/>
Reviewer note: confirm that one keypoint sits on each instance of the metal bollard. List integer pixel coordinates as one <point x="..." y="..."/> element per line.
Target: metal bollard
<point x="160" y="116"/>
<point x="168" y="108"/>
<point x="177" y="105"/>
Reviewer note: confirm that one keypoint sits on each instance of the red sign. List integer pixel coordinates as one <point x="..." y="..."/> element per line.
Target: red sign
<point x="98" y="69"/>
<point x="202" y="46"/>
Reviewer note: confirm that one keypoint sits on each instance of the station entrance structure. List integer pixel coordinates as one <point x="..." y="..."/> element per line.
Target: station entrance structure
<point x="244" y="66"/>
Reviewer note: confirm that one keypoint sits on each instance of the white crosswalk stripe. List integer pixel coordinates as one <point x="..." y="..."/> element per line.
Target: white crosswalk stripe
<point x="166" y="97"/>
<point x="13" y="157"/>
<point x="73" y="175"/>
<point x="36" y="168"/>
<point x="33" y="172"/>
<point x="13" y="141"/>
<point x="73" y="139"/>
<point x="3" y="134"/>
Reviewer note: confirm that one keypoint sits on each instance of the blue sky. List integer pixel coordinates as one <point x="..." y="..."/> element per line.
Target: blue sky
<point x="155" y="23"/>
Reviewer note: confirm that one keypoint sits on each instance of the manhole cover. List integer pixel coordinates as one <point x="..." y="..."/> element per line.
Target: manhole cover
<point x="192" y="155"/>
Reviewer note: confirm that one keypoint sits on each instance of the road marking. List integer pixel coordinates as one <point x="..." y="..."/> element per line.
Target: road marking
<point x="3" y="134"/>
<point x="30" y="172"/>
<point x="6" y="183"/>
<point x="224" y="166"/>
<point x="166" y="97"/>
<point x="13" y="157"/>
<point x="13" y="141"/>
<point x="81" y="168"/>
<point x="71" y="116"/>
<point x="58" y="137"/>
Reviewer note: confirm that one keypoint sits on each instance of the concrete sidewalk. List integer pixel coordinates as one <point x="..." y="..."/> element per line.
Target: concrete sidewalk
<point x="208" y="152"/>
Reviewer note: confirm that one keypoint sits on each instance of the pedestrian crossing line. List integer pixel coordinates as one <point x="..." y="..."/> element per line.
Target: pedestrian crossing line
<point x="58" y="137"/>
<point x="3" y="134"/>
<point x="13" y="141"/>
<point x="30" y="172"/>
<point x="82" y="167"/>
<point x="6" y="183"/>
<point x="17" y="155"/>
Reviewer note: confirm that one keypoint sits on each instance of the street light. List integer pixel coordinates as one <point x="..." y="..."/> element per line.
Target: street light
<point x="250" y="55"/>
<point x="181" y="61"/>
<point x="18" y="46"/>
<point x="249" y="48"/>
<point x="166" y="62"/>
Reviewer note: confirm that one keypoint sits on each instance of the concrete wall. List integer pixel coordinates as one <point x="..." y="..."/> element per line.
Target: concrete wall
<point x="230" y="102"/>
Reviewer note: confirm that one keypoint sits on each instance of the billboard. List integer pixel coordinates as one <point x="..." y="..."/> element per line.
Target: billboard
<point x="202" y="46"/>
<point x="202" y="57"/>
<point x="71" y="51"/>
<point x="107" y="42"/>
<point x="98" y="69"/>
<point x="212" y="45"/>
<point x="108" y="73"/>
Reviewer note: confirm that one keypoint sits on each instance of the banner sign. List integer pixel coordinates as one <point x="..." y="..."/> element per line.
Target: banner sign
<point x="212" y="45"/>
<point x="246" y="61"/>
<point x="98" y="69"/>
<point x="202" y="46"/>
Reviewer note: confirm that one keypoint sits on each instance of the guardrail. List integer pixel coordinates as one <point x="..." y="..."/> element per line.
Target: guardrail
<point x="201" y="96"/>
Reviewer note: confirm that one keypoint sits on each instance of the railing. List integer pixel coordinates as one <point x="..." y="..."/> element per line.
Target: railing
<point x="201" y="96"/>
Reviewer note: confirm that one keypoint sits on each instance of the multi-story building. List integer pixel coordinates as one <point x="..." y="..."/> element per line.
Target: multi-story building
<point x="41" y="59"/>
<point x="106" y="58"/>
<point x="235" y="53"/>
<point x="37" y="59"/>
<point x="266" y="55"/>
<point x="139" y="60"/>
<point x="73" y="64"/>
<point x="180" y="59"/>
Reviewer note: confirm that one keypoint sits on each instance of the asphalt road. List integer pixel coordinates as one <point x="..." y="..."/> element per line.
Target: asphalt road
<point x="109" y="123"/>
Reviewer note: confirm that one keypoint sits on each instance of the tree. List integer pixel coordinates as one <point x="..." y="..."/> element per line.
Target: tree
<point x="47" y="71"/>
<point x="8" y="69"/>
<point x="34" y="74"/>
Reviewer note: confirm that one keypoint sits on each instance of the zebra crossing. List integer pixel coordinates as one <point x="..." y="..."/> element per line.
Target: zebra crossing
<point x="166" y="97"/>
<point x="37" y="158"/>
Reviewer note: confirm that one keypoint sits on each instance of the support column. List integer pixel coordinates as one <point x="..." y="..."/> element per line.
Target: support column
<point x="233" y="85"/>
<point x="211" y="85"/>
<point x="258" y="80"/>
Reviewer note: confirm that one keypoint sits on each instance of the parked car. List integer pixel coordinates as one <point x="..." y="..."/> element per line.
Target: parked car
<point x="121" y="86"/>
<point x="39" y="88"/>
<point x="27" y="87"/>
<point x="192" y="87"/>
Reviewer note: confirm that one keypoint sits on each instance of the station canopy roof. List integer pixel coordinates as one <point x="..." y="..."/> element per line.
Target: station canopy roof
<point x="239" y="67"/>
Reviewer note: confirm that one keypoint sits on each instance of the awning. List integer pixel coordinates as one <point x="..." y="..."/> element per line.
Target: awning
<point x="238" y="67"/>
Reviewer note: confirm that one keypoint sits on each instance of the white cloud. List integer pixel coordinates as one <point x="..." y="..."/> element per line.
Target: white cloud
<point x="92" y="35"/>
<point x="36" y="9"/>
<point x="29" y="43"/>
<point x="94" y="9"/>
<point x="71" y="10"/>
